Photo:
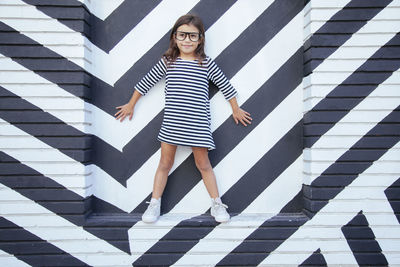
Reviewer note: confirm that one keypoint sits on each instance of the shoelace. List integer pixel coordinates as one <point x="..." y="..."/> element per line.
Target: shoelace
<point x="151" y="204"/>
<point x="221" y="204"/>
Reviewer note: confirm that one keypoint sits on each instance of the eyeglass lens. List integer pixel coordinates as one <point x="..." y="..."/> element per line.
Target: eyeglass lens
<point x="193" y="36"/>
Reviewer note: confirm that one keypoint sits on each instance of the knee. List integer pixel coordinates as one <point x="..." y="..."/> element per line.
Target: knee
<point x="166" y="163"/>
<point x="203" y="165"/>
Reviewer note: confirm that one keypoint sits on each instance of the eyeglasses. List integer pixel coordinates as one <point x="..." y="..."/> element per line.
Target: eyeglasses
<point x="193" y="36"/>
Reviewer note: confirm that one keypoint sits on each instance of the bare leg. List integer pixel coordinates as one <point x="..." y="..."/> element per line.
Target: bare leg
<point x="204" y="166"/>
<point x="166" y="162"/>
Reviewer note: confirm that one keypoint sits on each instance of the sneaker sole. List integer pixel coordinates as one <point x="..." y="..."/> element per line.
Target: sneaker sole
<point x="150" y="220"/>
<point x="219" y="220"/>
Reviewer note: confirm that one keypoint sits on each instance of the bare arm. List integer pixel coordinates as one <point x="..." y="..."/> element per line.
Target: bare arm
<point x="127" y="109"/>
<point x="238" y="113"/>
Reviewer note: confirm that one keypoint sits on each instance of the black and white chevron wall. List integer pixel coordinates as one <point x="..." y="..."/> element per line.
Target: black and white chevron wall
<point x="313" y="181"/>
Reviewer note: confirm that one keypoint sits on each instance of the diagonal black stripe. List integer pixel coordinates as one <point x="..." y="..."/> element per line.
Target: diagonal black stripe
<point x="349" y="154"/>
<point x="31" y="249"/>
<point x="44" y="126"/>
<point x="316" y="259"/>
<point x="362" y="242"/>
<point x="63" y="202"/>
<point x="122" y="20"/>
<point x="392" y="194"/>
<point x="269" y="23"/>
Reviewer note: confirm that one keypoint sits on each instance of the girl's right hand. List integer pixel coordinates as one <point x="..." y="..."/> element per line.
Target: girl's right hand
<point x="124" y="111"/>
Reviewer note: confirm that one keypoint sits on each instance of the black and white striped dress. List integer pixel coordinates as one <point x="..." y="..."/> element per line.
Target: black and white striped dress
<point x="187" y="119"/>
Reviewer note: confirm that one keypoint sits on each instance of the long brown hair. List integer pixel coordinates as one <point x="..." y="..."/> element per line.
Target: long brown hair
<point x="173" y="51"/>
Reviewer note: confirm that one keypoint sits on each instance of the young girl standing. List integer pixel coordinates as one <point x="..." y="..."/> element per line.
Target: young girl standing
<point x="187" y="109"/>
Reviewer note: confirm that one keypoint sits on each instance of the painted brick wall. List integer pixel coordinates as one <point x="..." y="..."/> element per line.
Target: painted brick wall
<point x="320" y="184"/>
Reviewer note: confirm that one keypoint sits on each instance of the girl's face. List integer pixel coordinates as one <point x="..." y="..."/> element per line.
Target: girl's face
<point x="187" y="39"/>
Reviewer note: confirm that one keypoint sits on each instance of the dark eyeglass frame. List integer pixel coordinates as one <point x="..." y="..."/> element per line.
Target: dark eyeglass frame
<point x="188" y="34"/>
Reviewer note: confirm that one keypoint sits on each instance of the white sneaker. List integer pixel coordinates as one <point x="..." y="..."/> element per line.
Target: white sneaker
<point x="152" y="212"/>
<point x="218" y="210"/>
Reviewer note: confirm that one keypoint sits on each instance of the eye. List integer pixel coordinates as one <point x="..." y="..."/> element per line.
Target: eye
<point x="193" y="36"/>
<point x="180" y="35"/>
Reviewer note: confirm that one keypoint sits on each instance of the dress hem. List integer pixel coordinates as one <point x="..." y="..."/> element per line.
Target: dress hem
<point x="178" y="144"/>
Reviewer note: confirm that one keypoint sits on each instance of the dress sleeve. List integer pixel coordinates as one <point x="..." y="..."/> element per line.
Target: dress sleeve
<point x="216" y="75"/>
<point x="151" y="78"/>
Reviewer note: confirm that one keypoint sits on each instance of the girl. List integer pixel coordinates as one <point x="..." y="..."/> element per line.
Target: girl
<point x="187" y="109"/>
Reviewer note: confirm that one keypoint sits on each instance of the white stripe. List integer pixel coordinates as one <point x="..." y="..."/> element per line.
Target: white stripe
<point x="242" y="9"/>
<point x="323" y="224"/>
<point x="332" y="138"/>
<point x="59" y="232"/>
<point x="10" y="260"/>
<point x="102" y="9"/>
<point x="338" y="251"/>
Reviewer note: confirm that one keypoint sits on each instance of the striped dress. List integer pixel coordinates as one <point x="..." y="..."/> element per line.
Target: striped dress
<point x="187" y="119"/>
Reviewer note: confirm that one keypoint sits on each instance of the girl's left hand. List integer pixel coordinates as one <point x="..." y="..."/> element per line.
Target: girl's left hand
<point x="242" y="116"/>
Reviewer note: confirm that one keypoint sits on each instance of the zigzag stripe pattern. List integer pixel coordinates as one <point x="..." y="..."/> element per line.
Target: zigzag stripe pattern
<point x="314" y="180"/>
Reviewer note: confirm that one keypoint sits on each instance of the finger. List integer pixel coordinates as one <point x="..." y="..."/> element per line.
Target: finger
<point x="241" y="120"/>
<point x="130" y="117"/>
<point x="247" y="120"/>
<point x="248" y="117"/>
<point x="120" y="116"/>
<point x="236" y="120"/>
